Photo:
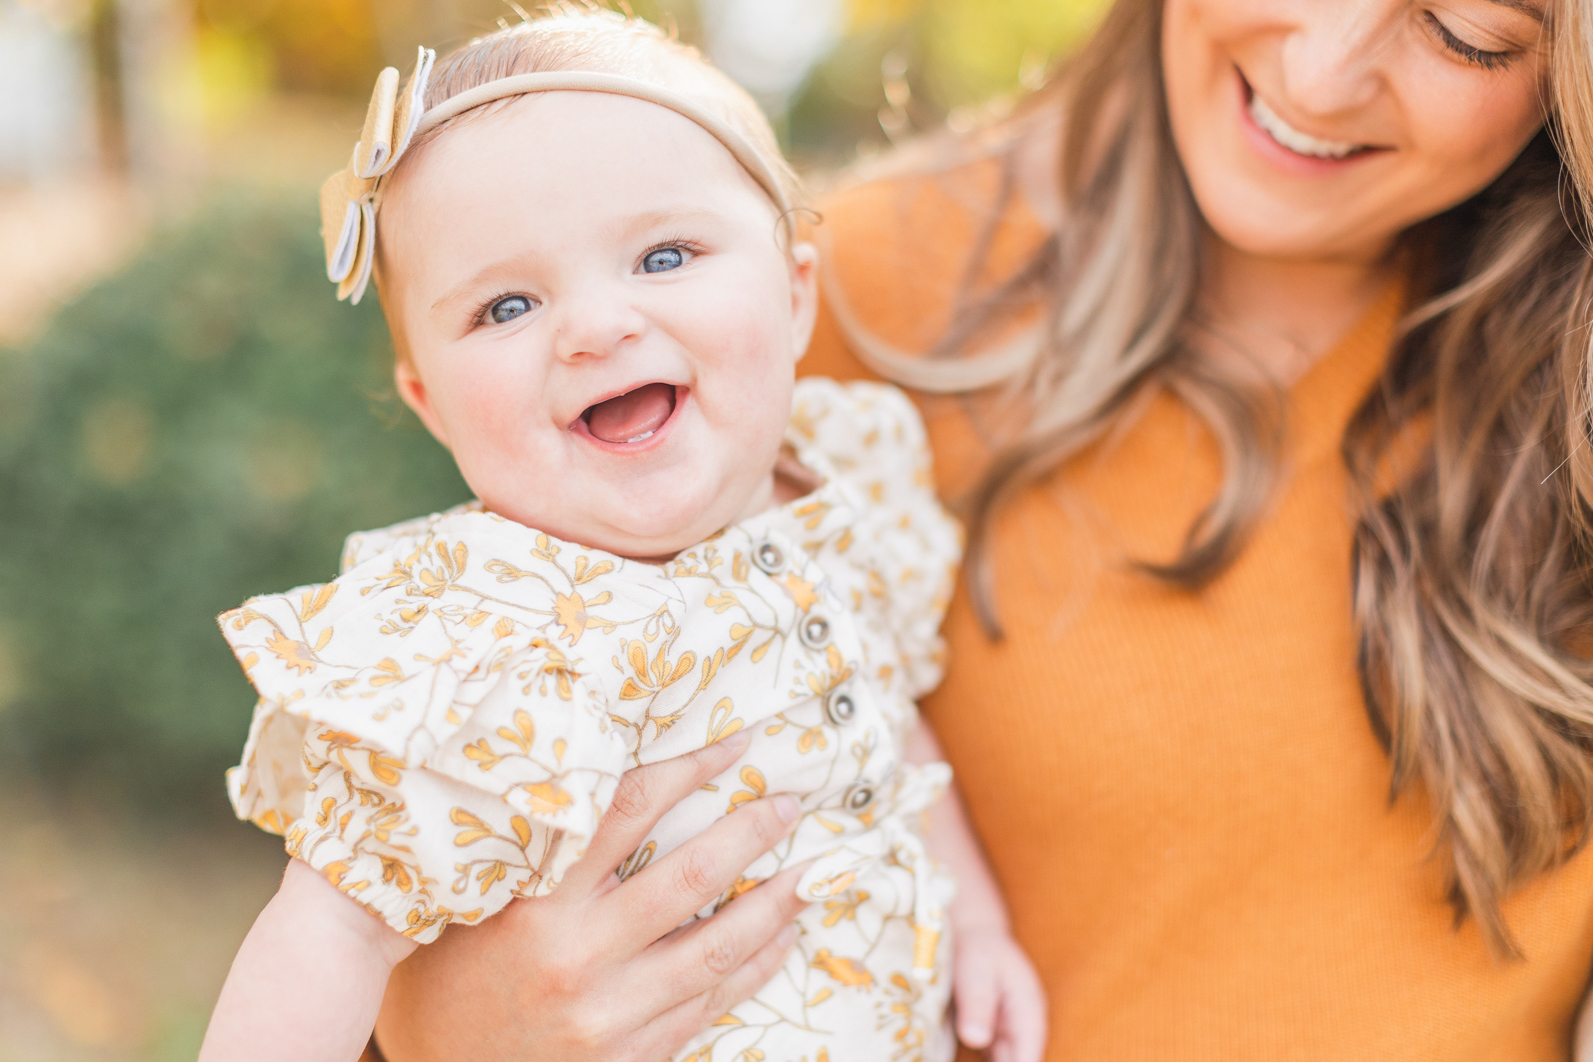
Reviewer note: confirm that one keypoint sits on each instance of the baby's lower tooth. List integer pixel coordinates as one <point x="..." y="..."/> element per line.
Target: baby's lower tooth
<point x="639" y="438"/>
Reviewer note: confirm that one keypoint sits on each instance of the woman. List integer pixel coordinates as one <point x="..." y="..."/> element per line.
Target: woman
<point x="1269" y="687"/>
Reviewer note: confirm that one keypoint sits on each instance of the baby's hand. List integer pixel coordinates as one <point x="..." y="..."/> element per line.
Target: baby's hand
<point x="996" y="995"/>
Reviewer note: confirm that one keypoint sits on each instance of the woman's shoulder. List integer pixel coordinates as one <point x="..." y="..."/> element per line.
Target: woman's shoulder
<point x="906" y="242"/>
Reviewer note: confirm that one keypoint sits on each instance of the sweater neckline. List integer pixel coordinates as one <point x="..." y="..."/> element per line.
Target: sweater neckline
<point x="1324" y="399"/>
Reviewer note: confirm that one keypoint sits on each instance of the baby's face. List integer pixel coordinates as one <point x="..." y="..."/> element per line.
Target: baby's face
<point x="600" y="323"/>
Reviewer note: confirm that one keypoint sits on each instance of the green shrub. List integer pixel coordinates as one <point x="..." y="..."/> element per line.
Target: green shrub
<point x="203" y="427"/>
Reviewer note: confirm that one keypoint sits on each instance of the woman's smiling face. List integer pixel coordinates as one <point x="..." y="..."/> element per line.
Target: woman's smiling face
<point x="1320" y="129"/>
<point x="598" y="320"/>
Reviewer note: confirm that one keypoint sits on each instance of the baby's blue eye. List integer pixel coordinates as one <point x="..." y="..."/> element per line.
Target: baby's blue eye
<point x="663" y="260"/>
<point x="508" y="308"/>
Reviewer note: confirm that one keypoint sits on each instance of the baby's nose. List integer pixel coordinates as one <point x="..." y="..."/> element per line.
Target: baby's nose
<point x="595" y="324"/>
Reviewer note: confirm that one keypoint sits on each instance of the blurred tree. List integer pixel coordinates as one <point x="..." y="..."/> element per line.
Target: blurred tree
<point x="105" y="51"/>
<point x="336" y="47"/>
<point x="197" y="430"/>
<point x="944" y="58"/>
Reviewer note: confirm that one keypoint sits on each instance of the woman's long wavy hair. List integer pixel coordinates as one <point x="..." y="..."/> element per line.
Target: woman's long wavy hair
<point x="1473" y="568"/>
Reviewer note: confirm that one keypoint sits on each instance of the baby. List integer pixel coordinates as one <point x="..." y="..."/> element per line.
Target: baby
<point x="590" y="270"/>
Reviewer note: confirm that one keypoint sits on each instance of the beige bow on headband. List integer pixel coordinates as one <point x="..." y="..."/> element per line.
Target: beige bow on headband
<point x="349" y="197"/>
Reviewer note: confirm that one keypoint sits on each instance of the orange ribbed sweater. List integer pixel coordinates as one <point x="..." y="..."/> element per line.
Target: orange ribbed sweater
<point x="1180" y="793"/>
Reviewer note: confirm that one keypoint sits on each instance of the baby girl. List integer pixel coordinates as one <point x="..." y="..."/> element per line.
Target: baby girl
<point x="589" y="266"/>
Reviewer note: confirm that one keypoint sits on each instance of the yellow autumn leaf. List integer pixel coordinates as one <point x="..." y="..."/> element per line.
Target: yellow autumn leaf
<point x="583" y="574"/>
<point x="335" y="872"/>
<point x="522" y="829"/>
<point x="524" y="734"/>
<point x="324" y="640"/>
<point x="548" y="798"/>
<point x="849" y="972"/>
<point x="802" y="593"/>
<point x="475" y="830"/>
<point x="384" y="768"/>
<point x="293" y="654"/>
<point x="315" y="599"/>
<point x="720" y="723"/>
<point x="395" y="873"/>
<point x="482" y="753"/>
<point x="710" y="667"/>
<point x="491" y="874"/>
<point x="390" y="672"/>
<point x="683" y="667"/>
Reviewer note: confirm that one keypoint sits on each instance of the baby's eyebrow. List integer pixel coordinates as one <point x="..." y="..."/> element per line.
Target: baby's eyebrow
<point x="496" y="269"/>
<point x="653" y="218"/>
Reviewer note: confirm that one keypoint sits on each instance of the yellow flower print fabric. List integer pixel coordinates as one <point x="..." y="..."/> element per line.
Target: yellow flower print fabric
<point x="441" y="728"/>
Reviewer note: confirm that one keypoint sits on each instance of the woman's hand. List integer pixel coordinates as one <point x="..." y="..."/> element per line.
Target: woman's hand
<point x="598" y="969"/>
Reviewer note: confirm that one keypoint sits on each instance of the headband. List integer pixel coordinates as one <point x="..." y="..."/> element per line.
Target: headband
<point x="349" y="198"/>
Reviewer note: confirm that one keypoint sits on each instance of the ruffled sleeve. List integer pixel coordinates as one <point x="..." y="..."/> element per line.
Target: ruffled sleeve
<point x="872" y="434"/>
<point x="432" y="757"/>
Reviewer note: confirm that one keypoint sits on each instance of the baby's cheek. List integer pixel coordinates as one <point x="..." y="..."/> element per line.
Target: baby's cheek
<point x="490" y="427"/>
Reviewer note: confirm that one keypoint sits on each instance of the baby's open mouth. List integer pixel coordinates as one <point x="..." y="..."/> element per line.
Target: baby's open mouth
<point x="632" y="416"/>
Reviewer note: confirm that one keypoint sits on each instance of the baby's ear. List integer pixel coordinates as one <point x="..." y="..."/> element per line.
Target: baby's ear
<point x="412" y="389"/>
<point x="804" y="295"/>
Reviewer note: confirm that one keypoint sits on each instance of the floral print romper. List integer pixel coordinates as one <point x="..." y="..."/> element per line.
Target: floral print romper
<point x="441" y="728"/>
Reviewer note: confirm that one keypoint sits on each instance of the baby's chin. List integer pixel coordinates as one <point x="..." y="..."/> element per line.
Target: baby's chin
<point x="657" y="533"/>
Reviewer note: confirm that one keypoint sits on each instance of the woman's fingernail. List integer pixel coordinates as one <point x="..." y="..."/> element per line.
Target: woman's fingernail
<point x="787" y="807"/>
<point x="784" y="938"/>
<point x="738" y="741"/>
<point x="974" y="1035"/>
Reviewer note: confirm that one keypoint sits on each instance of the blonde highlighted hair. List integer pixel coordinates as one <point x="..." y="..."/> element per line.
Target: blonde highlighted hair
<point x="1473" y="572"/>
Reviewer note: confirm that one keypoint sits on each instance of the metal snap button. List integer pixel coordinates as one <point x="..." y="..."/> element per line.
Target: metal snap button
<point x="769" y="558"/>
<point x="840" y="708"/>
<point x="859" y="797"/>
<point x="814" y="631"/>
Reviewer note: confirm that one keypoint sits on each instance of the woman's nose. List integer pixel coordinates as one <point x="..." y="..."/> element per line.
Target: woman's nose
<point x="593" y="322"/>
<point x="1332" y="57"/>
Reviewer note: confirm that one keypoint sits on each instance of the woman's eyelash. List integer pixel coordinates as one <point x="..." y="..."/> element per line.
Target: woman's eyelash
<point x="1471" y="54"/>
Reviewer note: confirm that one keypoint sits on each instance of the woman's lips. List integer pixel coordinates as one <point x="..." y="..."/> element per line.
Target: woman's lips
<point x="1295" y="151"/>
<point x="632" y="417"/>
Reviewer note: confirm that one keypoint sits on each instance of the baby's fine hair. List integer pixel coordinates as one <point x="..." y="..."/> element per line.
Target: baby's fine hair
<point x="566" y="36"/>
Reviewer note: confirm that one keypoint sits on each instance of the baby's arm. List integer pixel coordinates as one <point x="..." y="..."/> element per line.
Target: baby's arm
<point x="998" y="999"/>
<point x="309" y="979"/>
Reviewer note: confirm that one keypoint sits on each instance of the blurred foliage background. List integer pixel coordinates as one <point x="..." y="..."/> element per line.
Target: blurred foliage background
<point x="188" y="417"/>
